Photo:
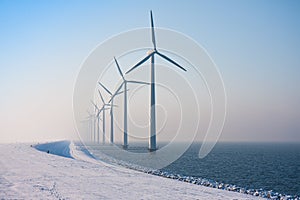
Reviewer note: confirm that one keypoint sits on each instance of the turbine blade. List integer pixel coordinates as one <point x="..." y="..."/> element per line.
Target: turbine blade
<point x="95" y="105"/>
<point x="119" y="69"/>
<point x="100" y="111"/>
<point x="141" y="62"/>
<point x="152" y="29"/>
<point x="170" y="60"/>
<point x="105" y="88"/>
<point x="101" y="96"/>
<point x="121" y="92"/>
<point x="139" y="82"/>
<point x="116" y="92"/>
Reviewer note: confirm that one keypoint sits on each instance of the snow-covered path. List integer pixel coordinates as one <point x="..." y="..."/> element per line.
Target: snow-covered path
<point x="26" y="173"/>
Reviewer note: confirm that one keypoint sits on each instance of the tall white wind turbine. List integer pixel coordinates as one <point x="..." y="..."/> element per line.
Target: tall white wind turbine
<point x="151" y="54"/>
<point x="124" y="83"/>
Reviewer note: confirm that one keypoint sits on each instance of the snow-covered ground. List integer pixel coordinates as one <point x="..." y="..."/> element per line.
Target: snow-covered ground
<point x="26" y="173"/>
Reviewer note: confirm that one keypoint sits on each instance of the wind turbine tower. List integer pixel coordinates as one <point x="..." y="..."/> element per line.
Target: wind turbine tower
<point x="124" y="83"/>
<point x="151" y="54"/>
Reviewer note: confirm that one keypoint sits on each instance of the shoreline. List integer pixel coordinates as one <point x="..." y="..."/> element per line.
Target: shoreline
<point x="30" y="174"/>
<point x="198" y="180"/>
<point x="270" y="194"/>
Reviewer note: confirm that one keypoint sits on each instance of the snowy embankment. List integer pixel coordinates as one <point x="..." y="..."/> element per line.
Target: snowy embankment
<point x="61" y="148"/>
<point x="26" y="173"/>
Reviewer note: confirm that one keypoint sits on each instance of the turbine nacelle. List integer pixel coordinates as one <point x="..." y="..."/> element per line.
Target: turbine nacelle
<point x="151" y="51"/>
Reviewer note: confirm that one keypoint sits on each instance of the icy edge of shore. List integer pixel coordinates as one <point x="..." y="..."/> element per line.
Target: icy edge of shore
<point x="78" y="151"/>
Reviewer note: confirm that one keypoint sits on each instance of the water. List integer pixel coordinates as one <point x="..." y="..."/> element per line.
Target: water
<point x="268" y="166"/>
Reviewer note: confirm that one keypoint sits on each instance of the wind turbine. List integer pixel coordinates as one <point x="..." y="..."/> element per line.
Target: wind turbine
<point x="92" y="125"/>
<point x="111" y="101"/>
<point x="98" y="120"/>
<point x="103" y="108"/>
<point x="151" y="54"/>
<point x="125" y="138"/>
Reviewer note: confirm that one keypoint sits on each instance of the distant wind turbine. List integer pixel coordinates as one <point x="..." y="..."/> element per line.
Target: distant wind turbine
<point x="103" y="108"/>
<point x="98" y="120"/>
<point x="111" y="101"/>
<point x="152" y="145"/>
<point x="124" y="83"/>
<point x="91" y="118"/>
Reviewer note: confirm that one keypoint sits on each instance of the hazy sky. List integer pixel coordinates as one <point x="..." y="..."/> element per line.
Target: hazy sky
<point x="255" y="44"/>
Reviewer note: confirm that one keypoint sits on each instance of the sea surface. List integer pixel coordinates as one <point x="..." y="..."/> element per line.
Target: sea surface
<point x="266" y="166"/>
<point x="270" y="166"/>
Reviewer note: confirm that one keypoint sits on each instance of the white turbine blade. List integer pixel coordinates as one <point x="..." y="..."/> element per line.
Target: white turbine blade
<point x="101" y="96"/>
<point x="170" y="60"/>
<point x="100" y="111"/>
<point x="116" y="92"/>
<point x="141" y="62"/>
<point x="95" y="105"/>
<point x="105" y="88"/>
<point x="121" y="92"/>
<point x="152" y="29"/>
<point x="119" y="69"/>
<point x="139" y="82"/>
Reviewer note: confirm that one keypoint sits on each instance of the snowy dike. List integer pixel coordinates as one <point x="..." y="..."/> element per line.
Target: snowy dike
<point x="64" y="170"/>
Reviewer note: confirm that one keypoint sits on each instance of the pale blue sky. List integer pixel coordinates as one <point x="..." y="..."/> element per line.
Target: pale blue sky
<point x="255" y="44"/>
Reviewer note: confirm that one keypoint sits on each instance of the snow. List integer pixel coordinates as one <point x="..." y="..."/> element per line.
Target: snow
<point x="26" y="173"/>
<point x="60" y="148"/>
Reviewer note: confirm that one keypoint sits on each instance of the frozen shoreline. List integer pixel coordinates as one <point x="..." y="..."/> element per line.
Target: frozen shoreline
<point x="270" y="194"/>
<point x="31" y="174"/>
